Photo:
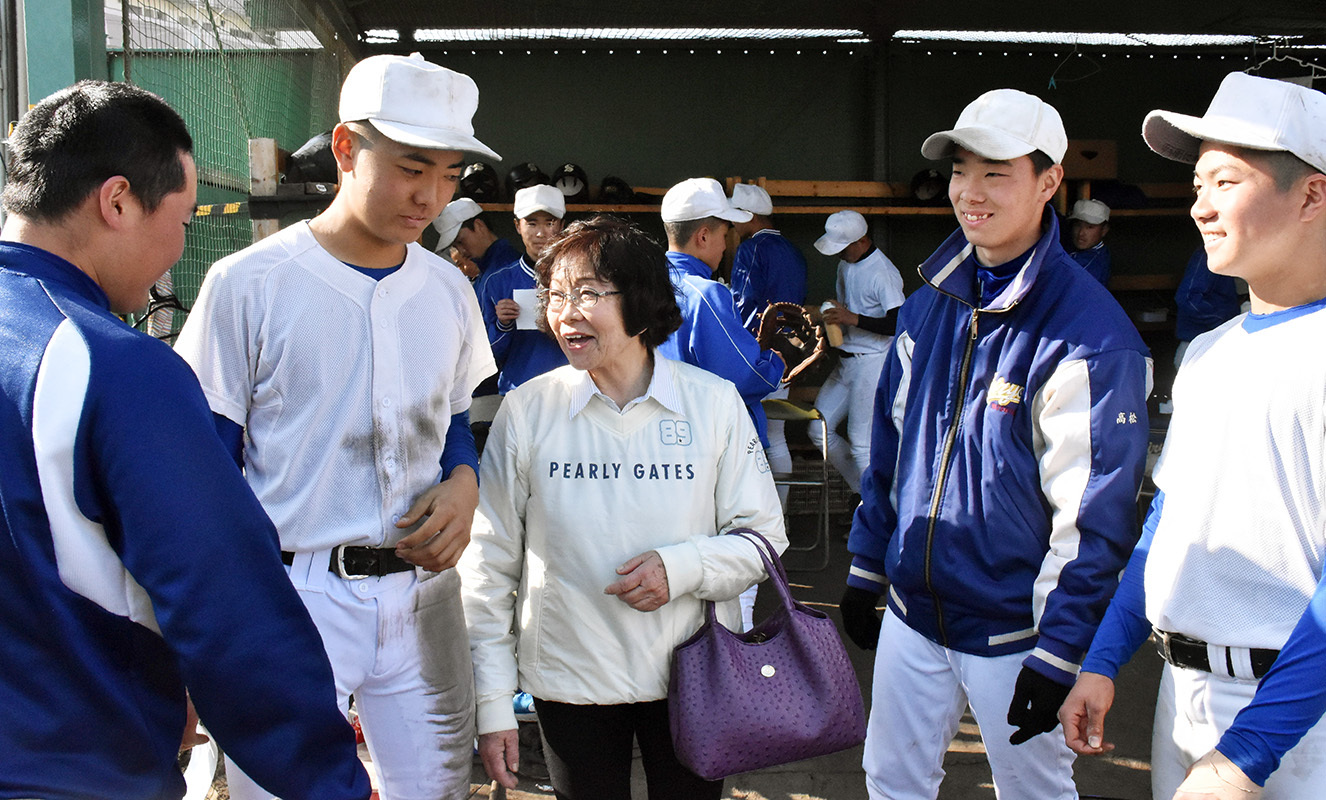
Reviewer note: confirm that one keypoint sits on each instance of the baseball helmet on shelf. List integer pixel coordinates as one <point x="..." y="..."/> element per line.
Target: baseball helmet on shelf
<point x="615" y="191"/>
<point x="313" y="162"/>
<point x="573" y="182"/>
<point x="930" y="186"/>
<point x="479" y="183"/>
<point x="523" y="176"/>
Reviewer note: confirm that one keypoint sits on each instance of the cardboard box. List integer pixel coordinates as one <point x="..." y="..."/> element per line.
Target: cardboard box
<point x="1091" y="159"/>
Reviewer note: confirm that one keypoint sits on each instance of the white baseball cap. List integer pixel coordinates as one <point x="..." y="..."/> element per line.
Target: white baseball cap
<point x="841" y="229"/>
<point x="414" y="102"/>
<point x="1247" y="111"/>
<point x="1000" y="125"/>
<point x="541" y="197"/>
<point x="752" y="198"/>
<point x="1092" y="212"/>
<point x="452" y="217"/>
<point x="697" y="198"/>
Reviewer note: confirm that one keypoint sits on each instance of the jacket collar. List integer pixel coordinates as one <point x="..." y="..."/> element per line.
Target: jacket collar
<point x="662" y="388"/>
<point x="45" y="265"/>
<point x="952" y="268"/>
<point x="689" y="264"/>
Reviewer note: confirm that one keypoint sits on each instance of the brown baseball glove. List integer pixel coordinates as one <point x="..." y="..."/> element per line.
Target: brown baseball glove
<point x="789" y="330"/>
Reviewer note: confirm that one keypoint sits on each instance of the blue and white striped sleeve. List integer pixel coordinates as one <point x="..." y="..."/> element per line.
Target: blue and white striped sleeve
<point x="1091" y="419"/>
<point x="1125" y="626"/>
<point x="150" y="467"/>
<point x="876" y="519"/>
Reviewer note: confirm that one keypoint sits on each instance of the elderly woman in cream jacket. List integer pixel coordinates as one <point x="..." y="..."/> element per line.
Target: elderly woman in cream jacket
<point x="604" y="487"/>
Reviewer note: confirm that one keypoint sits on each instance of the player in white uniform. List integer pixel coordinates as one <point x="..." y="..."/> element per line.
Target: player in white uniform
<point x="342" y="355"/>
<point x="1229" y="568"/>
<point x="869" y="292"/>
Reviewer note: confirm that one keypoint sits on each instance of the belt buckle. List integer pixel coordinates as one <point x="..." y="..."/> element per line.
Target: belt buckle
<point x="1163" y="645"/>
<point x="338" y="565"/>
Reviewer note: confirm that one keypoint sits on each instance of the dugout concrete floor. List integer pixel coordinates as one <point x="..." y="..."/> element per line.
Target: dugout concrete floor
<point x="1124" y="774"/>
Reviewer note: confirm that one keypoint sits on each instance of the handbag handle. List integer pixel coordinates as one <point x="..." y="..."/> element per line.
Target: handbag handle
<point x="773" y="565"/>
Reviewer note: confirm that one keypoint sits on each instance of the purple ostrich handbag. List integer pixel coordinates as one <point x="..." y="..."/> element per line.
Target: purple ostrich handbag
<point x="780" y="692"/>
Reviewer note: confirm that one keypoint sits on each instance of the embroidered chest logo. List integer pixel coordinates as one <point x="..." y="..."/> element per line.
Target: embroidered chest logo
<point x="675" y="432"/>
<point x="1004" y="395"/>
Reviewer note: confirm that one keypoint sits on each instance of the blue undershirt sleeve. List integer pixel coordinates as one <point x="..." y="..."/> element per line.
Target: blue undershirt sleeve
<point x="1125" y="627"/>
<point x="232" y="436"/>
<point x="1290" y="700"/>
<point x="459" y="449"/>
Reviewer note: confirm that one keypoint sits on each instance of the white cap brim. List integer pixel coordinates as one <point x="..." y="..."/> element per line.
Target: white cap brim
<point x="830" y="246"/>
<point x="984" y="142"/>
<point x="432" y="138"/>
<point x="535" y="208"/>
<point x="1179" y="137"/>
<point x="445" y="237"/>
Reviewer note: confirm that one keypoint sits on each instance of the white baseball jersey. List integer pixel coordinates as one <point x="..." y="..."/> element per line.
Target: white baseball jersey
<point x="1240" y="544"/>
<point x="870" y="287"/>
<point x="345" y="385"/>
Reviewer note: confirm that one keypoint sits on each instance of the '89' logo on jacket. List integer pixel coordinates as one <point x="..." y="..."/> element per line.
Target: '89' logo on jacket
<point x="675" y="431"/>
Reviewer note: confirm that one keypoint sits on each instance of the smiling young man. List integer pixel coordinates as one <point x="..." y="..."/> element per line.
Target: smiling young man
<point x="1005" y="461"/>
<point x="522" y="353"/>
<point x="1228" y="573"/>
<point x="134" y="561"/>
<point x="339" y="357"/>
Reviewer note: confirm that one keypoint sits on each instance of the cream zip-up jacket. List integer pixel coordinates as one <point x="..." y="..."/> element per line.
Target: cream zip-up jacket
<point x="570" y="489"/>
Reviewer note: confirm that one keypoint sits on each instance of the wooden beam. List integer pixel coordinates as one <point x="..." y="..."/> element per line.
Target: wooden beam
<point x="264" y="174"/>
<point x="336" y="28"/>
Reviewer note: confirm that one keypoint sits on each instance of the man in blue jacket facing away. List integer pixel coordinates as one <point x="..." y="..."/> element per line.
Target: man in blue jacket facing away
<point x="697" y="216"/>
<point x="134" y="559"/>
<point x="999" y="505"/>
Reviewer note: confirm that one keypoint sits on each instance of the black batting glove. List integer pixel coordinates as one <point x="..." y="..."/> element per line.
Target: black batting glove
<point x="859" y="617"/>
<point x="1035" y="706"/>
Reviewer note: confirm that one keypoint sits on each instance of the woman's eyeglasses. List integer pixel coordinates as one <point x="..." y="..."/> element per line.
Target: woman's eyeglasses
<point x="581" y="298"/>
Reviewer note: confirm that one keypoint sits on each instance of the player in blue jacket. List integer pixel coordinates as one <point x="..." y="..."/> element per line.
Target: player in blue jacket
<point x="1228" y="575"/>
<point x="1088" y="223"/>
<point x="134" y="560"/>
<point x="522" y="352"/>
<point x="696" y="216"/>
<point x="767" y="268"/>
<point x="999" y="504"/>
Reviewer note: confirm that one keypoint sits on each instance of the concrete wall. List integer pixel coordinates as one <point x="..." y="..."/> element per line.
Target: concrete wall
<point x="653" y="118"/>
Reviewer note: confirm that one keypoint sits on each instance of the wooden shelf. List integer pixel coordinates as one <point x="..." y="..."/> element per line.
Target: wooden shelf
<point x="1148" y="212"/>
<point x="636" y="208"/>
<point x="798" y="191"/>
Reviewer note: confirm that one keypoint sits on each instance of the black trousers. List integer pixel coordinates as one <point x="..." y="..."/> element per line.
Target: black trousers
<point x="589" y="751"/>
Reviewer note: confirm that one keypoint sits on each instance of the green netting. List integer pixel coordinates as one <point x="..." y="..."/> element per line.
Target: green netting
<point x="235" y="70"/>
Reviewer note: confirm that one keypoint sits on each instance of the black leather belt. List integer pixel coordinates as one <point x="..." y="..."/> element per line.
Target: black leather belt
<point x="352" y="561"/>
<point x="1183" y="651"/>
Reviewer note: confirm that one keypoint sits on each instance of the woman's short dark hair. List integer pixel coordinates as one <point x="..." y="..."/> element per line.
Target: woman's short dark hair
<point x="73" y="141"/>
<point x="618" y="252"/>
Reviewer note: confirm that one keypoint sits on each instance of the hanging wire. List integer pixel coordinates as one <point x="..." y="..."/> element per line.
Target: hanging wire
<point x="1054" y="76"/>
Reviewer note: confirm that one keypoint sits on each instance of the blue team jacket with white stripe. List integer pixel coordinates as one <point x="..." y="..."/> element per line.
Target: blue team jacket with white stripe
<point x="134" y="561"/>
<point x="1006" y="456"/>
<point x="712" y="338"/>
<point x="520" y="354"/>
